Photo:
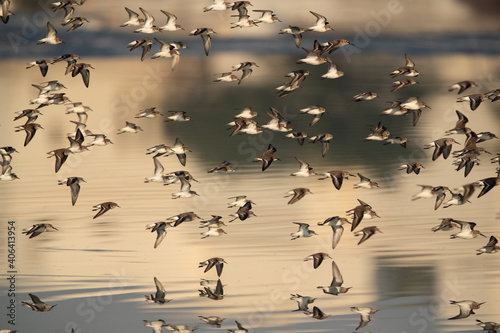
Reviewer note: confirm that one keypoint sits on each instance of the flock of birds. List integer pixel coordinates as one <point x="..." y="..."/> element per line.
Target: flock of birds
<point x="243" y="123"/>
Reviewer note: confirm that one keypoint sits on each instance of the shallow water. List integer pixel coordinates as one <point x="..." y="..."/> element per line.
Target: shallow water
<point x="98" y="271"/>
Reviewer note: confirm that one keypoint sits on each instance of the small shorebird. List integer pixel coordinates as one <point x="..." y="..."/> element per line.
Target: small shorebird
<point x="145" y="44"/>
<point x="74" y="185"/>
<point x="467" y="308"/>
<point x="82" y="69"/>
<point x="159" y="296"/>
<point x="179" y="116"/>
<point x="161" y="232"/>
<point x="365" y="182"/>
<point x="240" y="328"/>
<point x="244" y="21"/>
<point x="129" y="128"/>
<point x="30" y="129"/>
<point x="366" y="232"/>
<point x="61" y="155"/>
<point x="446" y="224"/>
<point x="395" y="109"/>
<point x="298" y="77"/>
<point x="156" y="325"/>
<point x="460" y="127"/>
<point x="243" y="212"/>
<point x="103" y="208"/>
<point x="337" y="227"/>
<point x="183" y="217"/>
<point x="158" y="176"/>
<point x="305" y="169"/>
<point x="396" y="140"/>
<point x="99" y="140"/>
<point x="407" y="70"/>
<point x="246" y="113"/>
<point x="487" y="184"/>
<point x="49" y="86"/>
<point x="43" y="64"/>
<point x="297" y="194"/>
<point x="148" y="27"/>
<point x="5" y="11"/>
<point x="462" y="86"/>
<point x="474" y="100"/>
<point x="429" y="191"/>
<point x="403" y="83"/>
<point x="171" y="24"/>
<point x="302" y="301"/>
<point x="37" y="229"/>
<point x="412" y="103"/>
<point x="365" y="313"/>
<point x="312" y="58"/>
<point x="300" y="136"/>
<point x="466" y="230"/>
<point x="216" y="294"/>
<point x="303" y="231"/>
<point x="268" y="157"/>
<point x="267" y="16"/>
<point x="324" y="138"/>
<point x="185" y="191"/>
<point x="334" y="44"/>
<point x="160" y="150"/>
<point x="321" y="25"/>
<point x="379" y="133"/>
<point x="246" y="68"/>
<point x="466" y="163"/>
<point x="70" y="58"/>
<point x="493" y="95"/>
<point x="133" y="19"/>
<point x="337" y="177"/>
<point x="363" y="210"/>
<point x="317" y="313"/>
<point x="76" y="22"/>
<point x="215" y="261"/>
<point x="411" y="167"/>
<point x="51" y="37"/>
<point x="461" y="197"/>
<point x="37" y="304"/>
<point x="245" y="125"/>
<point x="485" y="136"/>
<point x="213" y="222"/>
<point x="7" y="173"/>
<point x="489" y="326"/>
<point x="365" y="96"/>
<point x="180" y="150"/>
<point x="441" y="146"/>
<point x="278" y="122"/>
<point x="218" y="5"/>
<point x="490" y="247"/>
<point x="315" y="110"/>
<point x="213" y="232"/>
<point x="223" y="167"/>
<point x="148" y="113"/>
<point x="239" y="201"/>
<point x="212" y="320"/>
<point x="296" y="32"/>
<point x="204" y="33"/>
<point x="333" y="72"/>
<point x="335" y="286"/>
<point x="167" y="50"/>
<point x="317" y="258"/>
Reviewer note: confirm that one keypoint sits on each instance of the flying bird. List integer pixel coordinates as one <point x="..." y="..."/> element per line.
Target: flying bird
<point x="74" y="185"/>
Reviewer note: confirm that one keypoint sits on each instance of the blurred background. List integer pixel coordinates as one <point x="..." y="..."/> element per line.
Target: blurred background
<point x="98" y="271"/>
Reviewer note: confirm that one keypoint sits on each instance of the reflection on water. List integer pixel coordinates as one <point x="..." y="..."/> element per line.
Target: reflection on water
<point x="99" y="271"/>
